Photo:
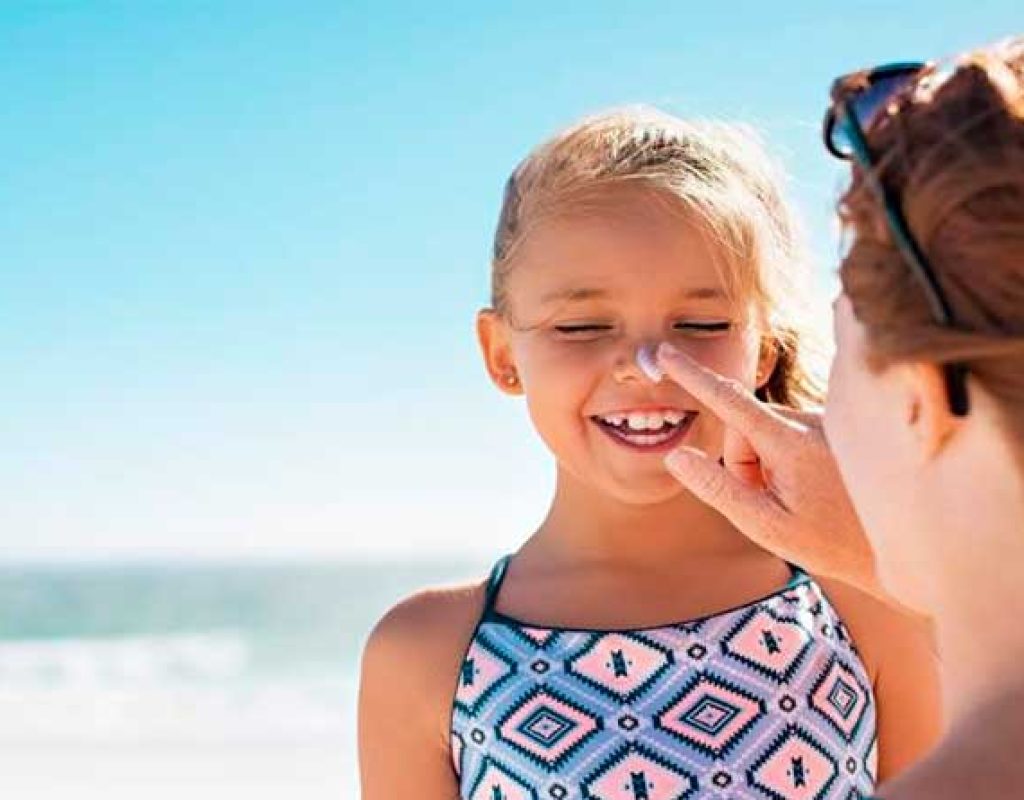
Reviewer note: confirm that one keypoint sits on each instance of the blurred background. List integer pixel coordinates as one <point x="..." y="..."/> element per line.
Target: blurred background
<point x="242" y="412"/>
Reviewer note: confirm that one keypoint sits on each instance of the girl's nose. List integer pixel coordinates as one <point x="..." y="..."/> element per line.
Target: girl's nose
<point x="638" y="363"/>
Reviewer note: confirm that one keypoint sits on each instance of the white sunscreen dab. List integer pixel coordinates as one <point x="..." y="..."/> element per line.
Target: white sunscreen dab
<point x="647" y="360"/>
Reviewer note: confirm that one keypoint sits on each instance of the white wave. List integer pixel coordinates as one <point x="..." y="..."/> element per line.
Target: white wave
<point x="287" y="712"/>
<point x="123" y="661"/>
<point x="182" y="688"/>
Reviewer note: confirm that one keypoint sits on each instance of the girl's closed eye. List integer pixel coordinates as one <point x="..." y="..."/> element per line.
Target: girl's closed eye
<point x="594" y="330"/>
<point x="703" y="328"/>
<point x="582" y="330"/>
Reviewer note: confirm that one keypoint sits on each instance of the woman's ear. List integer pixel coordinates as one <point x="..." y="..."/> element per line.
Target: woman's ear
<point x="492" y="333"/>
<point x="927" y="407"/>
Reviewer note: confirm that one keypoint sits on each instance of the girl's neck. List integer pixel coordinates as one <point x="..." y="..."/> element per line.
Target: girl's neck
<point x="585" y="525"/>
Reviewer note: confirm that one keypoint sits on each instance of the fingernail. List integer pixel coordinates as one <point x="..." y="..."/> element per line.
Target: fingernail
<point x="647" y="360"/>
<point x="667" y="351"/>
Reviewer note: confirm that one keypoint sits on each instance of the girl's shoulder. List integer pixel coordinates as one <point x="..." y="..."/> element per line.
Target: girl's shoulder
<point x="412" y="657"/>
<point x="428" y="626"/>
<point x="410" y="668"/>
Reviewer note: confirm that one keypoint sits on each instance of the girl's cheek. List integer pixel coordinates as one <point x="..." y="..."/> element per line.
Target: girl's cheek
<point x="727" y="355"/>
<point x="555" y="363"/>
<point x="569" y="355"/>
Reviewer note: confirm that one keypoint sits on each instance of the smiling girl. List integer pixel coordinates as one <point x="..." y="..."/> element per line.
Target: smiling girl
<point x="637" y="646"/>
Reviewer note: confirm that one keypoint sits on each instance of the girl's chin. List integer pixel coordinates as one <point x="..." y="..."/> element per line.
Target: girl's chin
<point x="652" y="492"/>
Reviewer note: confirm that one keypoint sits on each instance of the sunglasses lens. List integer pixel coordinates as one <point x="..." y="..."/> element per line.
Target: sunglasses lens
<point x="866" y="106"/>
<point x="840" y="140"/>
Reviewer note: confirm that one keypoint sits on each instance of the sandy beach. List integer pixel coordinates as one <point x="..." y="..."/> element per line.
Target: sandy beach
<point x="226" y="772"/>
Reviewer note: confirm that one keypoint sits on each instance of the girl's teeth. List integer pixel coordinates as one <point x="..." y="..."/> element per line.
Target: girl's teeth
<point x="637" y="422"/>
<point x="645" y="421"/>
<point x="645" y="429"/>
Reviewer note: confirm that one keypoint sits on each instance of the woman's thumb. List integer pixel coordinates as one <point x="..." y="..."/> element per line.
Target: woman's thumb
<point x="742" y="504"/>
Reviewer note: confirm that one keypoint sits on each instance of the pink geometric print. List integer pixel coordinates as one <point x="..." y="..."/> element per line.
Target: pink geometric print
<point x="496" y="781"/>
<point x="634" y="773"/>
<point x="772" y="644"/>
<point x="458" y="748"/>
<point x="538" y="636"/>
<point x="762" y="702"/>
<point x="481" y="671"/>
<point x="710" y="715"/>
<point x="547" y="728"/>
<point x="839" y="697"/>
<point x="795" y="768"/>
<point x="871" y="761"/>
<point x="621" y="665"/>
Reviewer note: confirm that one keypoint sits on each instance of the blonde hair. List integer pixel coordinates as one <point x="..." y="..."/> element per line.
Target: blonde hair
<point x="953" y="152"/>
<point x="719" y="176"/>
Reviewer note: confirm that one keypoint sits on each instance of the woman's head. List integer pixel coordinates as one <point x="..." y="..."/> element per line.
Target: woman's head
<point x="626" y="229"/>
<point x="952" y="150"/>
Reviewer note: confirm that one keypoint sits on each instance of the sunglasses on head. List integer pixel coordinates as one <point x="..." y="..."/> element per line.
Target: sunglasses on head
<point x="858" y="101"/>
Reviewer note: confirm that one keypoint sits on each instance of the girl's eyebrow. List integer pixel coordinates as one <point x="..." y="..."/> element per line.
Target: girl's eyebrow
<point x="573" y="294"/>
<point x="709" y="293"/>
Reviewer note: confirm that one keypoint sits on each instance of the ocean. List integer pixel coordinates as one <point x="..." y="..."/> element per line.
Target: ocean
<point x="227" y="680"/>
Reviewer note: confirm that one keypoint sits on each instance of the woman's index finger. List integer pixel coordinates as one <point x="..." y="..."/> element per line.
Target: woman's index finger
<point x="729" y="400"/>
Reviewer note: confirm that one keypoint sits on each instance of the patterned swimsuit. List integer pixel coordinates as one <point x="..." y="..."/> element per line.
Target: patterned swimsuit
<point x="769" y="701"/>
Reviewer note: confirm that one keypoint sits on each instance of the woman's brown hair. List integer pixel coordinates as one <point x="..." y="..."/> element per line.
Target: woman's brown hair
<point x="952" y="151"/>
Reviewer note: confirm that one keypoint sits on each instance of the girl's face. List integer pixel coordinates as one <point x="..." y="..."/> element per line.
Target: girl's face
<point x="584" y="294"/>
<point x="868" y="421"/>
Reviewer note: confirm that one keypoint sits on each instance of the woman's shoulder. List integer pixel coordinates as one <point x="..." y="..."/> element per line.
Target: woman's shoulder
<point x="979" y="757"/>
<point x="878" y="629"/>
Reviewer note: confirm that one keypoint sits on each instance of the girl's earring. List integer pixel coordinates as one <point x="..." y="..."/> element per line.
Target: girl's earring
<point x="511" y="379"/>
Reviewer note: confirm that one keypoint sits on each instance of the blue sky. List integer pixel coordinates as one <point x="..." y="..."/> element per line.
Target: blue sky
<point x="243" y="244"/>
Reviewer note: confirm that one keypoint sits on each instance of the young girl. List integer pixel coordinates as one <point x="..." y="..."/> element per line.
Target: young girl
<point x="637" y="646"/>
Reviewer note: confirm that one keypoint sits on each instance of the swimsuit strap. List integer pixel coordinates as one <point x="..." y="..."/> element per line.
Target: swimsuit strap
<point x="796" y="573"/>
<point x="500" y="569"/>
<point x="494" y="582"/>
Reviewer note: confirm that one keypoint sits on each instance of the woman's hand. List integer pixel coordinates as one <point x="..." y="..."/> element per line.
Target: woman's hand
<point x="778" y="482"/>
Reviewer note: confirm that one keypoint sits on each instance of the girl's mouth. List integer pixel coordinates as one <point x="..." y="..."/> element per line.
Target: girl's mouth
<point x="647" y="431"/>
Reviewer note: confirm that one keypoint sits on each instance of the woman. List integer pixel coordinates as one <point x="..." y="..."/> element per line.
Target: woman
<point x="925" y="413"/>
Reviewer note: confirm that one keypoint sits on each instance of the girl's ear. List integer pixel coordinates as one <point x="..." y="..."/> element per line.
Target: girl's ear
<point x="767" y="359"/>
<point x="927" y="408"/>
<point x="493" y="334"/>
